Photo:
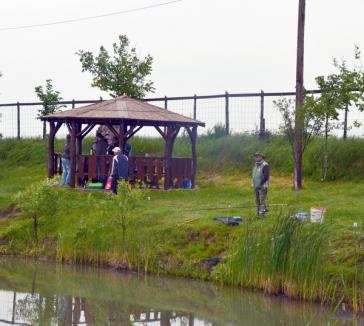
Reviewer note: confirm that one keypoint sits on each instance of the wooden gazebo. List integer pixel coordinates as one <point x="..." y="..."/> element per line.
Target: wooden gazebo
<point x="125" y="117"/>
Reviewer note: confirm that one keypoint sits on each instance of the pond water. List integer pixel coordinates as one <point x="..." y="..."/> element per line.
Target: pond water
<point x="45" y="294"/>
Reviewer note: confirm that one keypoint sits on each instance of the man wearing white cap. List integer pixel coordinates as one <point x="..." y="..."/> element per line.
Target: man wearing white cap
<point x="119" y="169"/>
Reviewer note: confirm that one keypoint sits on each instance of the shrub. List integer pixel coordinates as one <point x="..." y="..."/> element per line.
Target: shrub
<point x="38" y="200"/>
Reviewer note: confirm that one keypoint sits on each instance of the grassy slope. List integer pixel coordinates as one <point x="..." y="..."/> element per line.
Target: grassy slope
<point x="173" y="232"/>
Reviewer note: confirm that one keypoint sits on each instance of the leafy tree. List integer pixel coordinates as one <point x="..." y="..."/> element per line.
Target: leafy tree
<point x="123" y="205"/>
<point x="122" y="73"/>
<point x="312" y="123"/>
<point x="50" y="99"/>
<point x="39" y="200"/>
<point x="339" y="91"/>
<point x="217" y="131"/>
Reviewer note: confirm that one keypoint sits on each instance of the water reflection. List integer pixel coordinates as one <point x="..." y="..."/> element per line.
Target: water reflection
<point x="33" y="309"/>
<point x="42" y="294"/>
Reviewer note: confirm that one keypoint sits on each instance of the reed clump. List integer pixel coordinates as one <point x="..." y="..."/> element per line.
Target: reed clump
<point x="290" y="259"/>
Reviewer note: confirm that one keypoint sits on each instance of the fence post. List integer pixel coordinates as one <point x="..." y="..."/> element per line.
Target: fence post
<point x="18" y="118"/>
<point x="73" y="104"/>
<point x="194" y="106"/>
<point x="227" y="125"/>
<point x="262" y="120"/>
<point x="346" y="122"/>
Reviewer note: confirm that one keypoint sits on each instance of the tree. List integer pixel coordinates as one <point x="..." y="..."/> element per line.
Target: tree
<point x="50" y="99"/>
<point x="338" y="92"/>
<point x="123" y="205"/>
<point x="122" y="73"/>
<point x="38" y="200"/>
<point x="312" y="124"/>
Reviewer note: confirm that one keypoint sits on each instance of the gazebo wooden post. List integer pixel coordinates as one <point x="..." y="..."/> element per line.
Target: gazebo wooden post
<point x="73" y="154"/>
<point x="79" y="139"/>
<point x="52" y="129"/>
<point x="194" y="155"/>
<point x="168" y="159"/>
<point x="193" y="137"/>
<point x="172" y="132"/>
<point x="122" y="135"/>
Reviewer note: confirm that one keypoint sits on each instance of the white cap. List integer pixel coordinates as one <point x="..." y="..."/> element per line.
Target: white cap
<point x="116" y="149"/>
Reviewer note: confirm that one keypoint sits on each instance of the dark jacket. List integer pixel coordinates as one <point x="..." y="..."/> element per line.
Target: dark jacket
<point x="67" y="151"/>
<point x="265" y="172"/>
<point x="120" y="167"/>
<point x="101" y="147"/>
<point x="110" y="148"/>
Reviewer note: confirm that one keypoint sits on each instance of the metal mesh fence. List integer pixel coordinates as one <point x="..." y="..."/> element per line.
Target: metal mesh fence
<point x="238" y="113"/>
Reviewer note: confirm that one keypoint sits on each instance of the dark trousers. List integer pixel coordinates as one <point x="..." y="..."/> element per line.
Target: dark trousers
<point x="114" y="185"/>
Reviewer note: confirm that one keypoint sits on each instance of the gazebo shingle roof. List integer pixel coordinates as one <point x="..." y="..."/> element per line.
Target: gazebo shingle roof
<point x="122" y="108"/>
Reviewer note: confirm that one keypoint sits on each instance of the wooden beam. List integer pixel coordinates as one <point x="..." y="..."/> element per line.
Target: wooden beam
<point x="73" y="126"/>
<point x="52" y="129"/>
<point x="113" y="130"/>
<point x="134" y="132"/>
<point x="86" y="130"/>
<point x="194" y="156"/>
<point x="122" y="133"/>
<point x="172" y="132"/>
<point x="130" y="130"/>
<point x="58" y="125"/>
<point x="161" y="132"/>
<point x="79" y="139"/>
<point x="69" y="127"/>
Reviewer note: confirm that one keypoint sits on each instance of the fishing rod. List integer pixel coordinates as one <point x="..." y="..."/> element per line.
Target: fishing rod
<point x="229" y="207"/>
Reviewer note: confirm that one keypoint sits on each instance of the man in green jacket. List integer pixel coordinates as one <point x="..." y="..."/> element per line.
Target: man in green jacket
<point x="260" y="182"/>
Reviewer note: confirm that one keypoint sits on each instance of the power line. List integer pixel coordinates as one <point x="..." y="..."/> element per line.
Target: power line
<point x="3" y="29"/>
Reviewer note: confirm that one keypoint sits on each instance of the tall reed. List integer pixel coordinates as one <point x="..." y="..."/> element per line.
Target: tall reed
<point x="288" y="259"/>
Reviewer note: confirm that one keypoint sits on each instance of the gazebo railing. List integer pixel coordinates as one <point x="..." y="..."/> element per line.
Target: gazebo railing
<point x="148" y="169"/>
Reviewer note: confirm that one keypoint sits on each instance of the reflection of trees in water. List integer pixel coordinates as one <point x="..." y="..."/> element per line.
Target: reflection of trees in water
<point x="65" y="295"/>
<point x="35" y="309"/>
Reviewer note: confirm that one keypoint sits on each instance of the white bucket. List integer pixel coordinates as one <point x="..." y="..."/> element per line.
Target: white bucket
<point x="317" y="214"/>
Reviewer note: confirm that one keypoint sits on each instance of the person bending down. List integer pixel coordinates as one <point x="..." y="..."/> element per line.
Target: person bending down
<point x="119" y="169"/>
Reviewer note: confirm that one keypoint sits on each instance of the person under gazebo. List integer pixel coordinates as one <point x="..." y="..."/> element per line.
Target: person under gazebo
<point x="119" y="169"/>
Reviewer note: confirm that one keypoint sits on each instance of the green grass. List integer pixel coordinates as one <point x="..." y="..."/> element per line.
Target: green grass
<point x="174" y="232"/>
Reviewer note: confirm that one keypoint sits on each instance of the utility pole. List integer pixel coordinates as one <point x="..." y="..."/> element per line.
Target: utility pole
<point x="299" y="113"/>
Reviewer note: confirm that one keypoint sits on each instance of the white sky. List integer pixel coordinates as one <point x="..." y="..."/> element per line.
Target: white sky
<point x="199" y="46"/>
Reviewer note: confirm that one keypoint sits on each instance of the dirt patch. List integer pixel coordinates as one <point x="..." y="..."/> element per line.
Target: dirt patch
<point x="12" y="210"/>
<point x="211" y="239"/>
<point x="194" y="236"/>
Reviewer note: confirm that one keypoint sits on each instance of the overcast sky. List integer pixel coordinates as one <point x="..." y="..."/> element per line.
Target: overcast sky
<point x="199" y="46"/>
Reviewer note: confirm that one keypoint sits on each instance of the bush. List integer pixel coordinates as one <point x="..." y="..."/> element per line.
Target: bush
<point x="38" y="200"/>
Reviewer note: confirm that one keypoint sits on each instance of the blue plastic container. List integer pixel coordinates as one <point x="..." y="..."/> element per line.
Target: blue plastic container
<point x="187" y="184"/>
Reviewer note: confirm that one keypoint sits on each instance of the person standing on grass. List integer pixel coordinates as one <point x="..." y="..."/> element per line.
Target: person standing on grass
<point x="260" y="183"/>
<point x="119" y="169"/>
<point x="66" y="162"/>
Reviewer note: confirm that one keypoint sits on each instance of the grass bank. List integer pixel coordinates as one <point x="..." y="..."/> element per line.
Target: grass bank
<point x="173" y="232"/>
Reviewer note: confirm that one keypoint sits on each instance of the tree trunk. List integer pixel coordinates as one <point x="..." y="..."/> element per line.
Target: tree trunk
<point x="345" y="136"/>
<point x="35" y="227"/>
<point x="326" y="154"/>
